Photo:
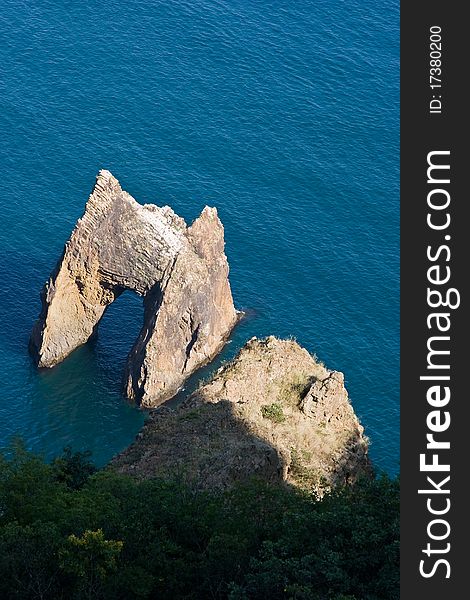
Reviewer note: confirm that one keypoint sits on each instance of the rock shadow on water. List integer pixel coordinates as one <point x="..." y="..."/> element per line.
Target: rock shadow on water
<point x="79" y="403"/>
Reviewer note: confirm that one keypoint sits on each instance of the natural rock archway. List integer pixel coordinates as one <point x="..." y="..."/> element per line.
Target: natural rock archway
<point x="181" y="271"/>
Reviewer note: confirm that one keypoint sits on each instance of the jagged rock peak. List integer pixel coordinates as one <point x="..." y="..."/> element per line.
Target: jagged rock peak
<point x="181" y="271"/>
<point x="273" y="412"/>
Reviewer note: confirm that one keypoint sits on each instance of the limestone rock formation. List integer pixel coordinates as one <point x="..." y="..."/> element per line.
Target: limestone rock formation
<point x="273" y="412"/>
<point x="181" y="271"/>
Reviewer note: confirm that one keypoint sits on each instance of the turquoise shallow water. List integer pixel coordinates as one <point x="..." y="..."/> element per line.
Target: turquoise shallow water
<point x="282" y="114"/>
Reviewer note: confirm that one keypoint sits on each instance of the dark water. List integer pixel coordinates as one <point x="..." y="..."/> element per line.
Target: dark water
<point x="282" y="114"/>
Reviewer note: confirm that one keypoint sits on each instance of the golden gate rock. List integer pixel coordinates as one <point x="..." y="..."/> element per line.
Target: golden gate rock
<point x="181" y="272"/>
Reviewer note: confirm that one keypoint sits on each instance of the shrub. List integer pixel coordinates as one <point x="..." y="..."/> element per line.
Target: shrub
<point x="273" y="412"/>
<point x="73" y="468"/>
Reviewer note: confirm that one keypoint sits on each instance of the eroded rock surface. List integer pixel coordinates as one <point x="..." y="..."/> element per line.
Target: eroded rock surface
<point x="181" y="271"/>
<point x="273" y="412"/>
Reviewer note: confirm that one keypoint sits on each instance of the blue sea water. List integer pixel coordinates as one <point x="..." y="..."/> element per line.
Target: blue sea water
<point x="283" y="114"/>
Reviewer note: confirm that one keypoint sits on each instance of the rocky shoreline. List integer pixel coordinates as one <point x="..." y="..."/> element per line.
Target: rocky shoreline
<point x="274" y="412"/>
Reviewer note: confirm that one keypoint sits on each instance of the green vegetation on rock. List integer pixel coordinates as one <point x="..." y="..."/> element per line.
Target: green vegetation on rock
<point x="293" y="389"/>
<point x="273" y="412"/>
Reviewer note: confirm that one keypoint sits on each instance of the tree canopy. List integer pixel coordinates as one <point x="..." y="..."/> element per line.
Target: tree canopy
<point x="69" y="531"/>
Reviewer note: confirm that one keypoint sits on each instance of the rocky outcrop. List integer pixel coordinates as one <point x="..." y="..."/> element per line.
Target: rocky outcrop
<point x="273" y="412"/>
<point x="181" y="272"/>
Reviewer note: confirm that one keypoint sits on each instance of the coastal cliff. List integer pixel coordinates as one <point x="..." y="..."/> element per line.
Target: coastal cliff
<point x="181" y="272"/>
<point x="274" y="412"/>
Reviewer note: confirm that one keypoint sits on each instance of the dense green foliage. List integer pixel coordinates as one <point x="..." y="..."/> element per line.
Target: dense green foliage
<point x="67" y="532"/>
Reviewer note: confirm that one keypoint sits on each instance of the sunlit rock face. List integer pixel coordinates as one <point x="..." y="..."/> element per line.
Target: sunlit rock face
<point x="274" y="412"/>
<point x="181" y="272"/>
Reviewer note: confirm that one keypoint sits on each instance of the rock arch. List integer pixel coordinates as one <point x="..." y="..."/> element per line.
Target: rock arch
<point x="181" y="272"/>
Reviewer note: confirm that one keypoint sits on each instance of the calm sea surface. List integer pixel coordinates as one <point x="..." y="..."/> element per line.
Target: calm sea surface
<point x="284" y="115"/>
